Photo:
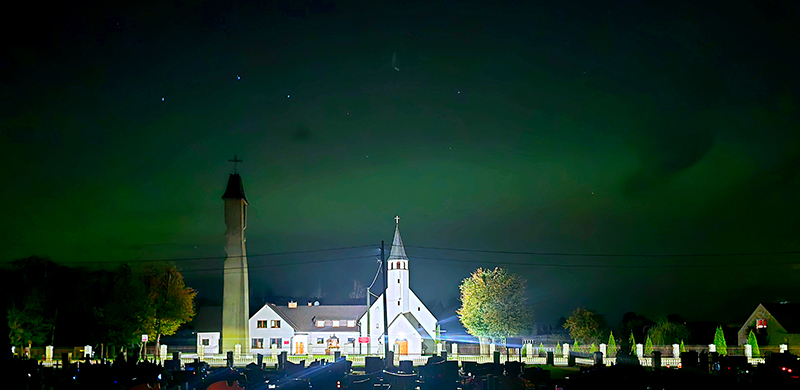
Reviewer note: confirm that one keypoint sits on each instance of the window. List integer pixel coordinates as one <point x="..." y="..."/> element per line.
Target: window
<point x="275" y="323"/>
<point x="320" y="341"/>
<point x="761" y="323"/>
<point x="398" y="302"/>
<point x="205" y="342"/>
<point x="257" y="344"/>
<point x="277" y="342"/>
<point x="261" y="324"/>
<point x="335" y="323"/>
<point x="351" y="323"/>
<point x="418" y="309"/>
<point x="398" y="280"/>
<point x="320" y="324"/>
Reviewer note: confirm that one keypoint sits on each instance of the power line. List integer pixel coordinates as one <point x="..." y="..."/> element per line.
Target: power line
<point x="553" y="265"/>
<point x="677" y="255"/>
<point x="275" y="265"/>
<point x="219" y="257"/>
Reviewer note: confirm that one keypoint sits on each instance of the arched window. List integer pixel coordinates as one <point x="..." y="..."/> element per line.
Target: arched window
<point x="398" y="265"/>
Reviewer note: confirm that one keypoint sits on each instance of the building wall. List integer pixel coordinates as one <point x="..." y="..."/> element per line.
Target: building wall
<point x="235" y="296"/>
<point x="284" y="332"/>
<point x="213" y="342"/>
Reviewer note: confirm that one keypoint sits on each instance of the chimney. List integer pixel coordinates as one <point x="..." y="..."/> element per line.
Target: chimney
<point x="292" y="305"/>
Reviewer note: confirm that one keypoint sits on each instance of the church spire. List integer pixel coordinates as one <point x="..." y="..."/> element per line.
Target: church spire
<point x="398" y="251"/>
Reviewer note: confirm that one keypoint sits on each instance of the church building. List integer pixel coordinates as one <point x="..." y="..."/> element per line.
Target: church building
<point x="312" y="328"/>
<point x="412" y="327"/>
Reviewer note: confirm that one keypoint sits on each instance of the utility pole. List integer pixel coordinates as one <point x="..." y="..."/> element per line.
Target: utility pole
<point x="385" y="307"/>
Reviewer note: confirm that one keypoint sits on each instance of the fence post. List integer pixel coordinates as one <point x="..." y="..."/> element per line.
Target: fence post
<point x="784" y="348"/>
<point x="748" y="351"/>
<point x="565" y="351"/>
<point x="676" y="351"/>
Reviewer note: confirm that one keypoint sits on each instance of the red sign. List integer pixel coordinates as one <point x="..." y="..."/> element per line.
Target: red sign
<point x="285" y="341"/>
<point x="363" y="340"/>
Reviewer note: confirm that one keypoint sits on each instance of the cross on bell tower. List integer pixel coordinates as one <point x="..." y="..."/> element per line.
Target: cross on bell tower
<point x="235" y="161"/>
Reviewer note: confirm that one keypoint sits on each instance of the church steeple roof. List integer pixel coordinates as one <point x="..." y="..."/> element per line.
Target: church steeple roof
<point x="398" y="251"/>
<point x="235" y="189"/>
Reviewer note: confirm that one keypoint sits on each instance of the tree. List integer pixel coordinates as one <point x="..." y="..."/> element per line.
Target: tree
<point x="611" y="348"/>
<point x="123" y="314"/>
<point x="648" y="346"/>
<point x="494" y="305"/>
<point x="593" y="348"/>
<point x="666" y="332"/>
<point x="27" y="323"/>
<point x="585" y="326"/>
<point x="541" y="349"/>
<point x="751" y="340"/>
<point x="559" y="351"/>
<point x="632" y="342"/>
<point x="683" y="348"/>
<point x="719" y="341"/>
<point x="169" y="302"/>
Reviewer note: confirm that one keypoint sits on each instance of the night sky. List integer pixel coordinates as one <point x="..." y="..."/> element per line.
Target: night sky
<point x="597" y="128"/>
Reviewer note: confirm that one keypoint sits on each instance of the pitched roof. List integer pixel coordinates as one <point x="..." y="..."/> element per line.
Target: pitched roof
<point x="398" y="250"/>
<point x="304" y="318"/>
<point x="787" y="314"/>
<point x="414" y="322"/>
<point x="235" y="188"/>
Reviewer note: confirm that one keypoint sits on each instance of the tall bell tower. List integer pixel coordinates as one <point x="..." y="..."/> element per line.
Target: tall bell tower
<point x="236" y="289"/>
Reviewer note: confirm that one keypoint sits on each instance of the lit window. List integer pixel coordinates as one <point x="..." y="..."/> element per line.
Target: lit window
<point x="262" y="324"/>
<point x="351" y="323"/>
<point x="277" y="342"/>
<point x="257" y="344"/>
<point x="335" y="323"/>
<point x="320" y="341"/>
<point x="275" y="323"/>
<point x="320" y="324"/>
<point x="761" y="323"/>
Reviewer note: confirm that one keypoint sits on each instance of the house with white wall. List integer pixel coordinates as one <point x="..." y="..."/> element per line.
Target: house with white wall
<point x="305" y="329"/>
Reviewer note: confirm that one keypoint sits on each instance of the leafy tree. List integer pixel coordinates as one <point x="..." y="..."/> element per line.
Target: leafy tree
<point x="494" y="305"/>
<point x="666" y="332"/>
<point x="611" y="348"/>
<point x="585" y="326"/>
<point x="636" y="324"/>
<point x="28" y="324"/>
<point x="123" y="314"/>
<point x="632" y="342"/>
<point x="751" y="340"/>
<point x="169" y="302"/>
<point x="719" y="341"/>
<point x="648" y="346"/>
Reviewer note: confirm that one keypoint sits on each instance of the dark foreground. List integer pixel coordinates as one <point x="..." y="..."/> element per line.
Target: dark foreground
<point x="780" y="372"/>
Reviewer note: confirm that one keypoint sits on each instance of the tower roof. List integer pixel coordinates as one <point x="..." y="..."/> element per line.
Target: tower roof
<point x="398" y="251"/>
<point x="235" y="189"/>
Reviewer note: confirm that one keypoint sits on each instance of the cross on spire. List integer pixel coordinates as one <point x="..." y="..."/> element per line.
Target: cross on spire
<point x="397" y="219"/>
<point x="235" y="161"/>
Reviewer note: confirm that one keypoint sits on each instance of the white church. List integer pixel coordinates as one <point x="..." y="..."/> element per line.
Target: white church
<point x="412" y="327"/>
<point x="313" y="328"/>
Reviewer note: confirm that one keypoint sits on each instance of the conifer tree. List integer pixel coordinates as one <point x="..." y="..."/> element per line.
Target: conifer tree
<point x="541" y="349"/>
<point x="751" y="340"/>
<point x="632" y="342"/>
<point x="575" y="346"/>
<point x="683" y="348"/>
<point x="559" y="351"/>
<point x="593" y="348"/>
<point x="719" y="341"/>
<point x="648" y="346"/>
<point x="611" y="349"/>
